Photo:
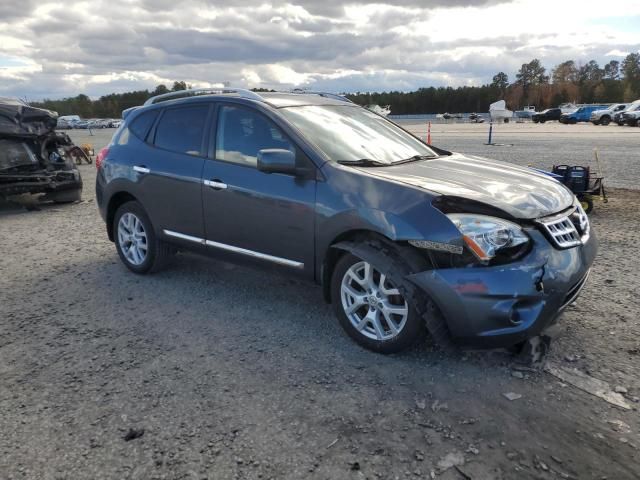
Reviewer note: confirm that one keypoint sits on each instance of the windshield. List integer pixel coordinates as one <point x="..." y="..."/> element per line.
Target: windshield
<point x="349" y="133"/>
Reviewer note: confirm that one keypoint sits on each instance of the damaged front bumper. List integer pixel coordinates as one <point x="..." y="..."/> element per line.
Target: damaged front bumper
<point x="40" y="182"/>
<point x="503" y="305"/>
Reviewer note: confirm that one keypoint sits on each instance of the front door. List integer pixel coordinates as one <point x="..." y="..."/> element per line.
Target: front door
<point x="250" y="213"/>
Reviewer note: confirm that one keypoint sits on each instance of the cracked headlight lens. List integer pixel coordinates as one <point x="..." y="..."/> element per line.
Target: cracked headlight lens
<point x="485" y="235"/>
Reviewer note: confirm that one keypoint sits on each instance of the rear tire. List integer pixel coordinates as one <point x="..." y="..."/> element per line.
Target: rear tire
<point x="380" y="288"/>
<point x="136" y="242"/>
<point x="605" y="120"/>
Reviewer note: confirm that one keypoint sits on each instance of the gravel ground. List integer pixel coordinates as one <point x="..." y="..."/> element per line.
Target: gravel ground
<point x="545" y="145"/>
<point x="209" y="370"/>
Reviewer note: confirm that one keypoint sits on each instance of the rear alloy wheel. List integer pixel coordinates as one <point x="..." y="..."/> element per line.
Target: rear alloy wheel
<point x="132" y="239"/>
<point x="135" y="239"/>
<point x="373" y="306"/>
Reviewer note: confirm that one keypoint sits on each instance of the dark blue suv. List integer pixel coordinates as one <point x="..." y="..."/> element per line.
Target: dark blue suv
<point x="404" y="238"/>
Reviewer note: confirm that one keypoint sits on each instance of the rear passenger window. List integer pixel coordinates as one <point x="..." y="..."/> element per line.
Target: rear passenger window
<point x="142" y="123"/>
<point x="180" y="129"/>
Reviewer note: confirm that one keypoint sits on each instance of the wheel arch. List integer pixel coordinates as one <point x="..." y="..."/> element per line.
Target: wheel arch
<point x="115" y="201"/>
<point x="349" y="242"/>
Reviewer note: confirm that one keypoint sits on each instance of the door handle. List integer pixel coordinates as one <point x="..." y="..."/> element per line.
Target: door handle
<point x="215" y="184"/>
<point x="141" y="169"/>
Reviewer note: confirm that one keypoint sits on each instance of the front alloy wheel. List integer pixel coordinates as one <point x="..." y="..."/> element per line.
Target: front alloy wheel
<point x="374" y="302"/>
<point x="373" y="305"/>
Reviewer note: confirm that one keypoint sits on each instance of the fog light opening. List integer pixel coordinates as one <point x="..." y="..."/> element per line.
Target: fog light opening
<point x="514" y="317"/>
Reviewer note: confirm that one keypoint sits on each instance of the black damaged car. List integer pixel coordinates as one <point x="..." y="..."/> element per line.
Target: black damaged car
<point x="34" y="158"/>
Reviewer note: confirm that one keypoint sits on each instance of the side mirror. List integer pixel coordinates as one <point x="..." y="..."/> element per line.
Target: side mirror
<point x="277" y="160"/>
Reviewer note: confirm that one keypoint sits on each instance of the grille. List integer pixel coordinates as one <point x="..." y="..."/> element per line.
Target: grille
<point x="567" y="230"/>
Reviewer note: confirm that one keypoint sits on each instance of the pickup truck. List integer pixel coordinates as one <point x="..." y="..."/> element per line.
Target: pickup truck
<point x="546" y="115"/>
<point x="582" y="114"/>
<point x="604" y="117"/>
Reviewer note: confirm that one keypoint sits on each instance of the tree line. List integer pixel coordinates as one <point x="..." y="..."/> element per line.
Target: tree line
<point x="566" y="82"/>
<point x="533" y="85"/>
<point x="107" y="106"/>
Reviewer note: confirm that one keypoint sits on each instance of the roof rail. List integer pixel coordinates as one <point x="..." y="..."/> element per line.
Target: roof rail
<point x="242" y="92"/>
<point x="335" y="96"/>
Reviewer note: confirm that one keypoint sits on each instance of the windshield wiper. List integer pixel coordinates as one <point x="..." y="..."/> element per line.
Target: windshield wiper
<point x="415" y="158"/>
<point x="363" y="162"/>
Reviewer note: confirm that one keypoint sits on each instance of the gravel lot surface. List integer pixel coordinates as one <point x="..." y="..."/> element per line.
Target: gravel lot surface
<point x="210" y="370"/>
<point x="543" y="145"/>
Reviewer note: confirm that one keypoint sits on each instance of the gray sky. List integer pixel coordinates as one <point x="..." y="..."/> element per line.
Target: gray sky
<point x="55" y="49"/>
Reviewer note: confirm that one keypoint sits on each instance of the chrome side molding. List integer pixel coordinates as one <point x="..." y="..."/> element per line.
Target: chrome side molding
<point x="182" y="236"/>
<point x="231" y="248"/>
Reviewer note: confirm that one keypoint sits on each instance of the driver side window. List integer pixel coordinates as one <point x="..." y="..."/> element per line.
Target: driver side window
<point x="243" y="132"/>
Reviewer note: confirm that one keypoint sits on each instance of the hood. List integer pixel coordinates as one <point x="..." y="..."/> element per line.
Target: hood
<point x="19" y="119"/>
<point x="518" y="191"/>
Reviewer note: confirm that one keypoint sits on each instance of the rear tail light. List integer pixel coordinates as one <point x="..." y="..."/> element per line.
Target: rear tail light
<point x="102" y="154"/>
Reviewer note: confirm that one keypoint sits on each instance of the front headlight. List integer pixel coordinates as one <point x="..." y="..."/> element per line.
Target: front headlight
<point x="486" y="236"/>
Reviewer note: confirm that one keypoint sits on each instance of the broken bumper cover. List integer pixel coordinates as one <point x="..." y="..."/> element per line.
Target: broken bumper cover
<point x="40" y="182"/>
<point x="507" y="304"/>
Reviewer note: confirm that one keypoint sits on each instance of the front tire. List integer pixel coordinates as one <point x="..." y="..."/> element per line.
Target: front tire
<point x="136" y="242"/>
<point x="374" y="303"/>
<point x="605" y="120"/>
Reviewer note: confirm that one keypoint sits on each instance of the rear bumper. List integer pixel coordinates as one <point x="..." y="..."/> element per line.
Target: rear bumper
<point x="507" y="304"/>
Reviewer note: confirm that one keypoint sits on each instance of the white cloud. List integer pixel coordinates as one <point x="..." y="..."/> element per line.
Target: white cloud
<point x="95" y="47"/>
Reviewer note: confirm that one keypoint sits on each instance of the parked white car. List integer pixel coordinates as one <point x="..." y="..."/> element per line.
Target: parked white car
<point x="605" y="116"/>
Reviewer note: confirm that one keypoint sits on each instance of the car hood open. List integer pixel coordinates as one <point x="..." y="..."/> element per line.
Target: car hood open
<point x="518" y="191"/>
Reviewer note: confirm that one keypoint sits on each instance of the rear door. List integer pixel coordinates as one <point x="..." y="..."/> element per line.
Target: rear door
<point x="171" y="174"/>
<point x="252" y="214"/>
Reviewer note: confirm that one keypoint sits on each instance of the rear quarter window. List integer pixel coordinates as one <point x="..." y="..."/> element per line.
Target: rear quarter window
<point x="142" y="123"/>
